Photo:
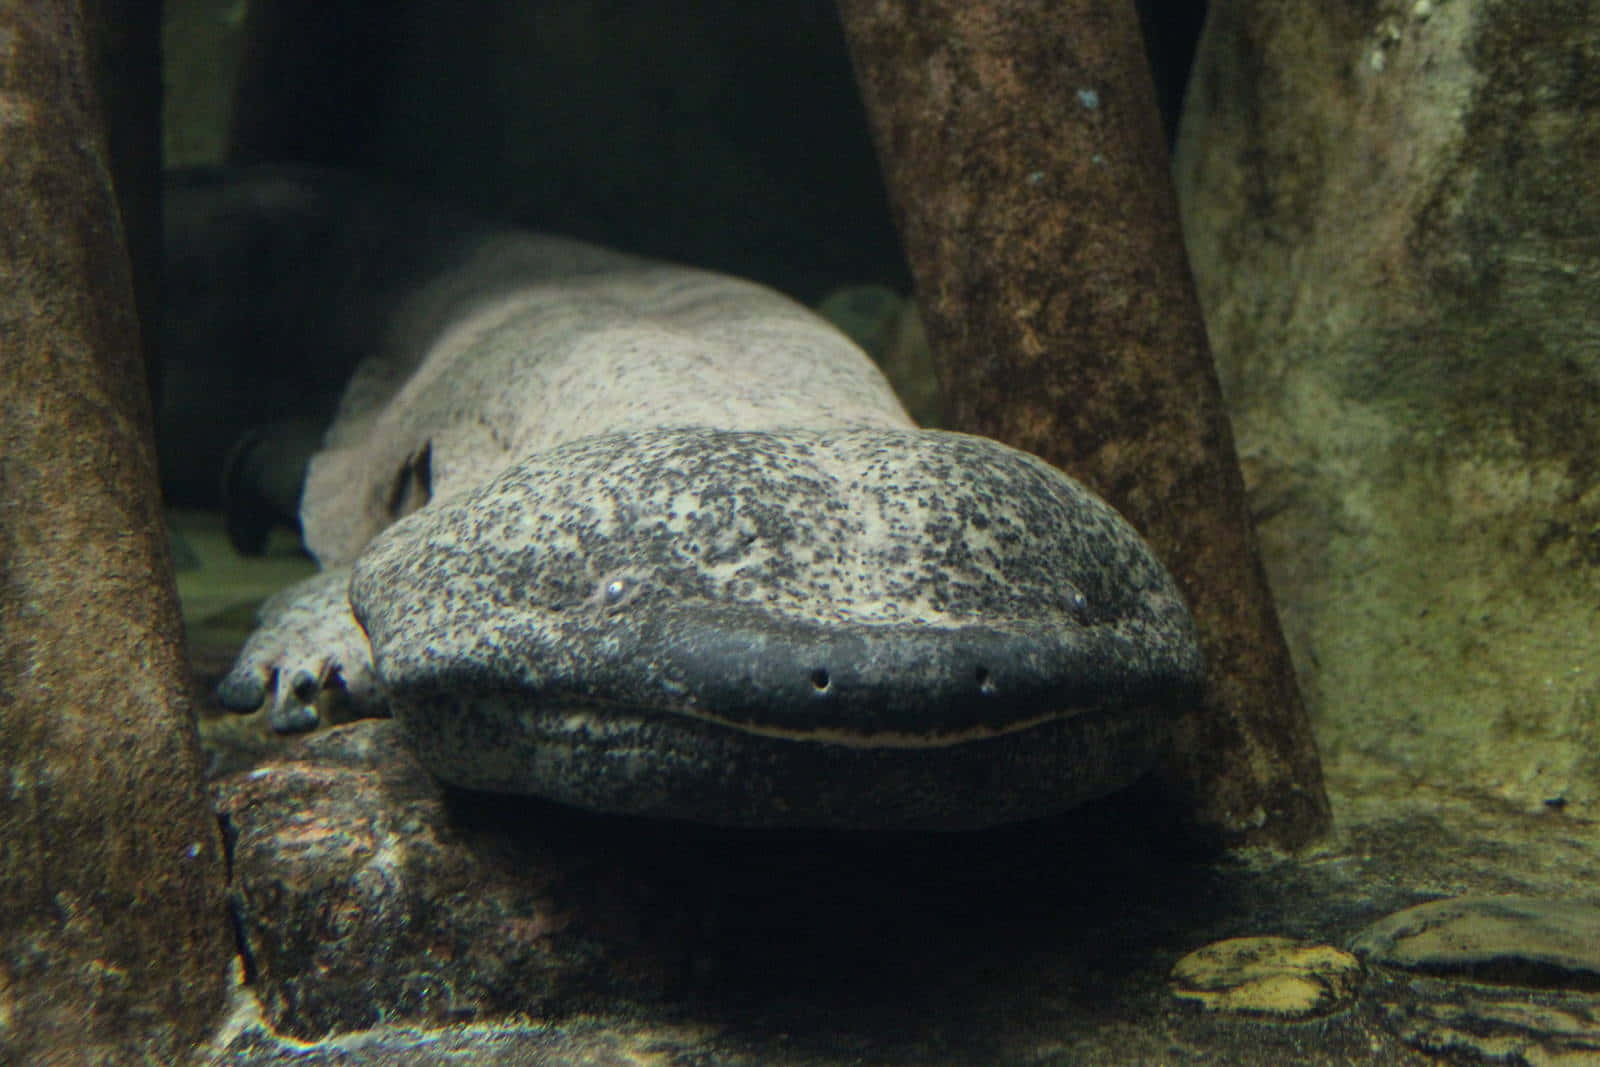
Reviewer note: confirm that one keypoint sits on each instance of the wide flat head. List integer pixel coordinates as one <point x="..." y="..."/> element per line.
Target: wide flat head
<point x="847" y="627"/>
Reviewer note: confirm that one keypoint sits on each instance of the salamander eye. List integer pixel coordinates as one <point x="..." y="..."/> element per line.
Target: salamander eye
<point x="615" y="591"/>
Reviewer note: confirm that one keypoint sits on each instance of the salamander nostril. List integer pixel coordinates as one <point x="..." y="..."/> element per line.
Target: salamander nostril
<point x="820" y="680"/>
<point x="984" y="680"/>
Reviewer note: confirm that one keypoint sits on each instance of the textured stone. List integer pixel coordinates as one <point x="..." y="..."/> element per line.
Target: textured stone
<point x="500" y="1043"/>
<point x="1520" y="940"/>
<point x="1025" y="159"/>
<point x="1549" y="948"/>
<point x="1513" y="1030"/>
<point x="1272" y="976"/>
<point x="363" y="894"/>
<point x="115" y="942"/>
<point x="1041" y="942"/>
<point x="1398" y="268"/>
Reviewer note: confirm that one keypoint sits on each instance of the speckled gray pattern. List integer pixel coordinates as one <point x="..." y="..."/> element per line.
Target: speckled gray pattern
<point x="653" y="540"/>
<point x="712" y="624"/>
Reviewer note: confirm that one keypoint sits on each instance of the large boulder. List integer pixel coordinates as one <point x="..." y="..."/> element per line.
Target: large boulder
<point x="1397" y="248"/>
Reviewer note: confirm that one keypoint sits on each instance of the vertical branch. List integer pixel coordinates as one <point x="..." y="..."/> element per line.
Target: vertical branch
<point x="1024" y="154"/>
<point x="115" y="940"/>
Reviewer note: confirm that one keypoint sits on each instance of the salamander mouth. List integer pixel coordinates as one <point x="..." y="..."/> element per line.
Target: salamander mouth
<point x="802" y="725"/>
<point x="648" y="762"/>
<point x="582" y="720"/>
<point x="861" y="685"/>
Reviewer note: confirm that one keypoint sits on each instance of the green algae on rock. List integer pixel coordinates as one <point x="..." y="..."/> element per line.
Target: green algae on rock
<point x="1398" y="272"/>
<point x="1515" y="940"/>
<point x="1268" y="976"/>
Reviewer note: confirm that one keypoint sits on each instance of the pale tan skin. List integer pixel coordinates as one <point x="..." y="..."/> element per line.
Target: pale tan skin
<point x="533" y="342"/>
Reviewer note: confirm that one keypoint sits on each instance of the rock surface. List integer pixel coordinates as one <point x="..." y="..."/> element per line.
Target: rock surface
<point x="363" y="893"/>
<point x="461" y="916"/>
<point x="1466" y="1026"/>
<point x="1398" y="271"/>
<point x="1268" y="976"/>
<point x="1545" y="951"/>
<point x="1518" y="940"/>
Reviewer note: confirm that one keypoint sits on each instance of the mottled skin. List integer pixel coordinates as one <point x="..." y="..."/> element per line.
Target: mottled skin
<point x="654" y="540"/>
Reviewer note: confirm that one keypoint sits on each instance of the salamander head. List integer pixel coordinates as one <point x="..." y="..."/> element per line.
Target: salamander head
<point x="859" y="627"/>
